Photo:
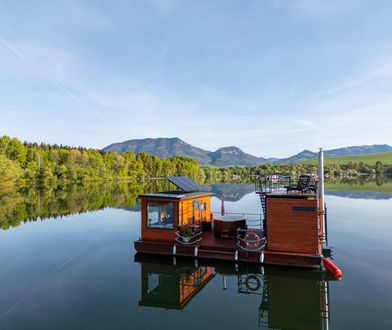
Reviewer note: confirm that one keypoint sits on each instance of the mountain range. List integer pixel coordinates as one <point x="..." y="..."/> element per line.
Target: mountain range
<point x="228" y="156"/>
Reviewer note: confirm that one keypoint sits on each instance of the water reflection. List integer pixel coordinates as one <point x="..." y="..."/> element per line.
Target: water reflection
<point x="30" y="204"/>
<point x="361" y="187"/>
<point x="288" y="298"/>
<point x="233" y="191"/>
<point x="171" y="286"/>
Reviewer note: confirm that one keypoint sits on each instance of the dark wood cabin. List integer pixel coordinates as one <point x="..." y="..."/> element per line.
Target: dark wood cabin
<point x="293" y="223"/>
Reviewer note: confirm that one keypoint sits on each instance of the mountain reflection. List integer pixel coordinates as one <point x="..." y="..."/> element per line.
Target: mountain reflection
<point x="289" y="298"/>
<point x="31" y="204"/>
<point x="233" y="191"/>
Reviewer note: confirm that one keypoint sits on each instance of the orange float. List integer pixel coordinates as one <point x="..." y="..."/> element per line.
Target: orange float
<point x="332" y="268"/>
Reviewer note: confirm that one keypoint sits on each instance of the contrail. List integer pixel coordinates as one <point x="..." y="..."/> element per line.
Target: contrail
<point x="12" y="49"/>
<point x="55" y="84"/>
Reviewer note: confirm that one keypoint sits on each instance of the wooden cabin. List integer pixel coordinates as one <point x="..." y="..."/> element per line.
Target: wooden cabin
<point x="293" y="223"/>
<point x="163" y="213"/>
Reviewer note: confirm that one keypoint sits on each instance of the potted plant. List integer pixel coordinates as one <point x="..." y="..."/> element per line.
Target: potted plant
<point x="186" y="233"/>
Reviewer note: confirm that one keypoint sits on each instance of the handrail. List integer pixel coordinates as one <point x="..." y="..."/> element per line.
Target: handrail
<point x="196" y="238"/>
<point x="271" y="183"/>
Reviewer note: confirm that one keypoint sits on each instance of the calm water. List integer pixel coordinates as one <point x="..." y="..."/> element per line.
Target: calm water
<point x="65" y="268"/>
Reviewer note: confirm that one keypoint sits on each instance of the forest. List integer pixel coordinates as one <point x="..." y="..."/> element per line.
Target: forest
<point x="44" y="164"/>
<point x="52" y="165"/>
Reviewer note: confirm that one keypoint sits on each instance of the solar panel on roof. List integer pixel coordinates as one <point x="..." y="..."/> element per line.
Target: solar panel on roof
<point x="184" y="183"/>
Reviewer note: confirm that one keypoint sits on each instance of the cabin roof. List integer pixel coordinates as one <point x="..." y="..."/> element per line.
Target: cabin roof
<point x="175" y="195"/>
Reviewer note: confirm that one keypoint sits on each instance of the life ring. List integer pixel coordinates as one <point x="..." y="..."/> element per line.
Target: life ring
<point x="252" y="283"/>
<point x="256" y="240"/>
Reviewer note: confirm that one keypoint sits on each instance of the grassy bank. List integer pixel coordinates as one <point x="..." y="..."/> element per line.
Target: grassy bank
<point x="371" y="159"/>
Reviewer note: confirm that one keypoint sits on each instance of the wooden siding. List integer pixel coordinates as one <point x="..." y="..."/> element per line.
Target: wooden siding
<point x="292" y="225"/>
<point x="182" y="211"/>
<point x="158" y="233"/>
<point x="187" y="214"/>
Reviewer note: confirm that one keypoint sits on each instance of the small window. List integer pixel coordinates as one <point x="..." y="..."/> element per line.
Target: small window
<point x="196" y="204"/>
<point x="160" y="215"/>
<point x="204" y="206"/>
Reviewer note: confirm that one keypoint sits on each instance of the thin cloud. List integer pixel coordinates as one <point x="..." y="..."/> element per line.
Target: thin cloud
<point x="55" y="84"/>
<point x="14" y="50"/>
<point x="304" y="123"/>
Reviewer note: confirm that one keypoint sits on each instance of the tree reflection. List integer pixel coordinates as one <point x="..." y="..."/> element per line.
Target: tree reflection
<point x="30" y="204"/>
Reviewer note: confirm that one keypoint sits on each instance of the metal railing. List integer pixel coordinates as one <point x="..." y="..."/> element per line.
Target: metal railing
<point x="271" y="183"/>
<point x="253" y="220"/>
<point x="189" y="240"/>
<point x="252" y="240"/>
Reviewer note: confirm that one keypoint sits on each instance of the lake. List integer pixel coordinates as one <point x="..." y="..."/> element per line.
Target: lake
<point x="68" y="262"/>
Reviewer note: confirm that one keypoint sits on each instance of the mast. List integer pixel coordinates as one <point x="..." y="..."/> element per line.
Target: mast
<point x="223" y="204"/>
<point x="321" y="193"/>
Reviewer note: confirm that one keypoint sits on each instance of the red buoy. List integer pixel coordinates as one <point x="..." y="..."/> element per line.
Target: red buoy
<point x="332" y="268"/>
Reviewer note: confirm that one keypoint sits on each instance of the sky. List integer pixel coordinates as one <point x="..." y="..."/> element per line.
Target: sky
<point x="272" y="77"/>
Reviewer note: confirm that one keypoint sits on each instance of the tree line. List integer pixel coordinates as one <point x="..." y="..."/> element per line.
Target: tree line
<point x="227" y="174"/>
<point x="45" y="164"/>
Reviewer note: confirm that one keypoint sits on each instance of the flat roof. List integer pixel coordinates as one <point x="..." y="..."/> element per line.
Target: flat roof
<point x="283" y="193"/>
<point x="176" y="195"/>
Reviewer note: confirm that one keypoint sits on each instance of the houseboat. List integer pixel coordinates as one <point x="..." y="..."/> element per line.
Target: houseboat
<point x="292" y="230"/>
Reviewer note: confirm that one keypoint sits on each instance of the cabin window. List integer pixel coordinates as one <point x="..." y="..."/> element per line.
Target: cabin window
<point x="196" y="204"/>
<point x="160" y="215"/>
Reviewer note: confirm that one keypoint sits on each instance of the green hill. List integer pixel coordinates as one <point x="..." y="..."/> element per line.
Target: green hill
<point x="370" y="159"/>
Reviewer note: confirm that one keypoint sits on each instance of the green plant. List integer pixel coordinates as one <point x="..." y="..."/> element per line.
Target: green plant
<point x="186" y="231"/>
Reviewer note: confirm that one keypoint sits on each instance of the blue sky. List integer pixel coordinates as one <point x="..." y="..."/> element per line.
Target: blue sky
<point x="271" y="77"/>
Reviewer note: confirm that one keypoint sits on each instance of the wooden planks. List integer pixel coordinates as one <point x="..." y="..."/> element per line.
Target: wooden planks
<point x="220" y="252"/>
<point x="292" y="225"/>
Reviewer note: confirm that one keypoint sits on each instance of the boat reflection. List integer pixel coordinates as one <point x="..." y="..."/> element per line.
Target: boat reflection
<point x="169" y="285"/>
<point x="289" y="298"/>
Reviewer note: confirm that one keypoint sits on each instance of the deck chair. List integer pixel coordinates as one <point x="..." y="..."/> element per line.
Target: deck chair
<point x="302" y="184"/>
<point x="312" y="186"/>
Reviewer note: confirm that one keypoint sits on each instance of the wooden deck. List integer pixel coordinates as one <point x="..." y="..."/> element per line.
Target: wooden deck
<point x="209" y="241"/>
<point x="214" y="248"/>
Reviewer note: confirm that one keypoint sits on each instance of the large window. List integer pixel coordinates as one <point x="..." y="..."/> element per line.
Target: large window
<point x="160" y="215"/>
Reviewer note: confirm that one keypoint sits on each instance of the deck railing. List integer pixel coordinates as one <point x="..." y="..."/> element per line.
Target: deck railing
<point x="253" y="220"/>
<point x="271" y="183"/>
<point x="189" y="240"/>
<point x="251" y="239"/>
